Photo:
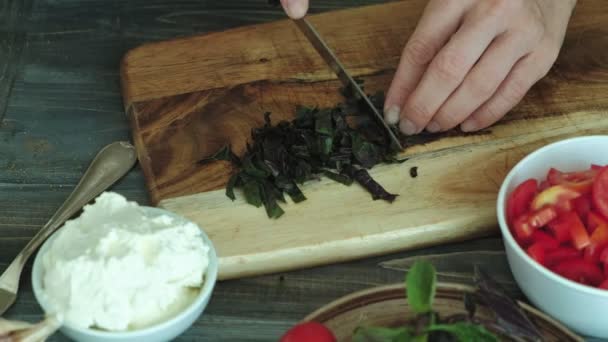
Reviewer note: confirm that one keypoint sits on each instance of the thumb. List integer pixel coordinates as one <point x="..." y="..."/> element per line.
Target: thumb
<point x="295" y="9"/>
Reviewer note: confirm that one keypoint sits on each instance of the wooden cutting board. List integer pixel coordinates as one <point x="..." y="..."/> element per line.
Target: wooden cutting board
<point x="188" y="97"/>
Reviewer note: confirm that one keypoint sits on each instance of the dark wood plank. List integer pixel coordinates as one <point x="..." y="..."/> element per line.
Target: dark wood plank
<point x="12" y="40"/>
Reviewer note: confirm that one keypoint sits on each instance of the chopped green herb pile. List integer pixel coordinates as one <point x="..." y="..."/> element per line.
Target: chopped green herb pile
<point x="509" y="319"/>
<point x="341" y="143"/>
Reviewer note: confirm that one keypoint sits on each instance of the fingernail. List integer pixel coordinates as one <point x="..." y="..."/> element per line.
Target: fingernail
<point x="407" y="127"/>
<point x="392" y="115"/>
<point x="433" y="127"/>
<point x="296" y="9"/>
<point x="469" y="125"/>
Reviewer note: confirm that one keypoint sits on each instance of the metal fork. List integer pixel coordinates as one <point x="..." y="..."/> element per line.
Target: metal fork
<point x="110" y="164"/>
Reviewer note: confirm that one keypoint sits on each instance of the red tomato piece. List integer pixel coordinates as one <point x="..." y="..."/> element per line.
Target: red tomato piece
<point x="522" y="228"/>
<point x="542" y="217"/>
<point x="599" y="239"/>
<point x="594" y="220"/>
<point x="600" y="234"/>
<point x="582" y="205"/>
<point x="544" y="185"/>
<point x="519" y="201"/>
<point x="547" y="241"/>
<point x="597" y="167"/>
<point x="537" y="252"/>
<point x="604" y="285"/>
<point x="600" y="192"/>
<point x="580" y="181"/>
<point x="560" y="254"/>
<point x="560" y="231"/>
<point x="309" y="331"/>
<point x="557" y="195"/>
<point x="578" y="233"/>
<point x="580" y="271"/>
<point x="604" y="255"/>
<point x="526" y="224"/>
<point x="592" y="253"/>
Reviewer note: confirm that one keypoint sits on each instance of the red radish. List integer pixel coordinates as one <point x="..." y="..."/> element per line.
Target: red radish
<point x="309" y="331"/>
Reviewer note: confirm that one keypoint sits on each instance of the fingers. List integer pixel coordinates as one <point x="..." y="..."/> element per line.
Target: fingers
<point x="447" y="71"/>
<point x="524" y="75"/>
<point x="483" y="80"/>
<point x="439" y="20"/>
<point x="295" y="9"/>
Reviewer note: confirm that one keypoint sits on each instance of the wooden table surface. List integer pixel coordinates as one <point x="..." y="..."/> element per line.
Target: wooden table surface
<point x="60" y="102"/>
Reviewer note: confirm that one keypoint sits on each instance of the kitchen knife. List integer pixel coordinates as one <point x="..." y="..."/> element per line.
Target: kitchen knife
<point x="330" y="58"/>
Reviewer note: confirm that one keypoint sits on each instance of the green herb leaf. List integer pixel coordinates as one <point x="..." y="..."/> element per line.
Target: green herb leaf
<point x="420" y="281"/>
<point x="365" y="152"/>
<point x="324" y="123"/>
<point x="273" y="210"/>
<point x="374" y="188"/>
<point x="465" y="332"/>
<point x="379" y="334"/>
<point x="232" y="182"/>
<point x="224" y="153"/>
<point x="252" y="192"/>
<point x="290" y="188"/>
<point x="338" y="177"/>
<point x="509" y="315"/>
<point x="325" y="144"/>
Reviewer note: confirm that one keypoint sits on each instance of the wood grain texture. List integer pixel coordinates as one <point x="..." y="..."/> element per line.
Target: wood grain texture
<point x="186" y="98"/>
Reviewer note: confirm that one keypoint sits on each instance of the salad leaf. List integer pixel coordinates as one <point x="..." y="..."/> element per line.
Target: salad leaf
<point x="379" y="334"/>
<point x="421" y="282"/>
<point x="509" y="314"/>
<point x="465" y="332"/>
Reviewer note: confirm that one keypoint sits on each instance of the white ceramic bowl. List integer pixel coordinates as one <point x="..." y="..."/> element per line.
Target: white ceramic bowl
<point x="164" y="331"/>
<point x="582" y="308"/>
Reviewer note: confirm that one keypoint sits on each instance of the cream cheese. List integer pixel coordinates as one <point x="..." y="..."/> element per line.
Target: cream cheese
<point x="115" y="268"/>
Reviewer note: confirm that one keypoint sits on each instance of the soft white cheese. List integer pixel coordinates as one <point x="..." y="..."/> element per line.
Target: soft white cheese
<point x="115" y="268"/>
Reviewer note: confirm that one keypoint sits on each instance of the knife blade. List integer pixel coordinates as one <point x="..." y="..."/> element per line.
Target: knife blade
<point x="334" y="63"/>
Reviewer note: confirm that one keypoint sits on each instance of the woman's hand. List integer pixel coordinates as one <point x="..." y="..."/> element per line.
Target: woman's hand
<point x="471" y="61"/>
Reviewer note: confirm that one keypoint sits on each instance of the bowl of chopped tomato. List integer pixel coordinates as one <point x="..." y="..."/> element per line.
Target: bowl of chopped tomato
<point x="552" y="210"/>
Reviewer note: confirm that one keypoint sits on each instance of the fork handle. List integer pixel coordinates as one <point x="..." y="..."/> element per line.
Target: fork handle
<point x="110" y="164"/>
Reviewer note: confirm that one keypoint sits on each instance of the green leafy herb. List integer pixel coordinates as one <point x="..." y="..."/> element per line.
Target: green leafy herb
<point x="379" y="334"/>
<point x="509" y="316"/>
<point x="252" y="193"/>
<point x="340" y="143"/>
<point x="232" y="182"/>
<point x="428" y="326"/>
<point x="224" y="153"/>
<point x="466" y="332"/>
<point x="420" y="288"/>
